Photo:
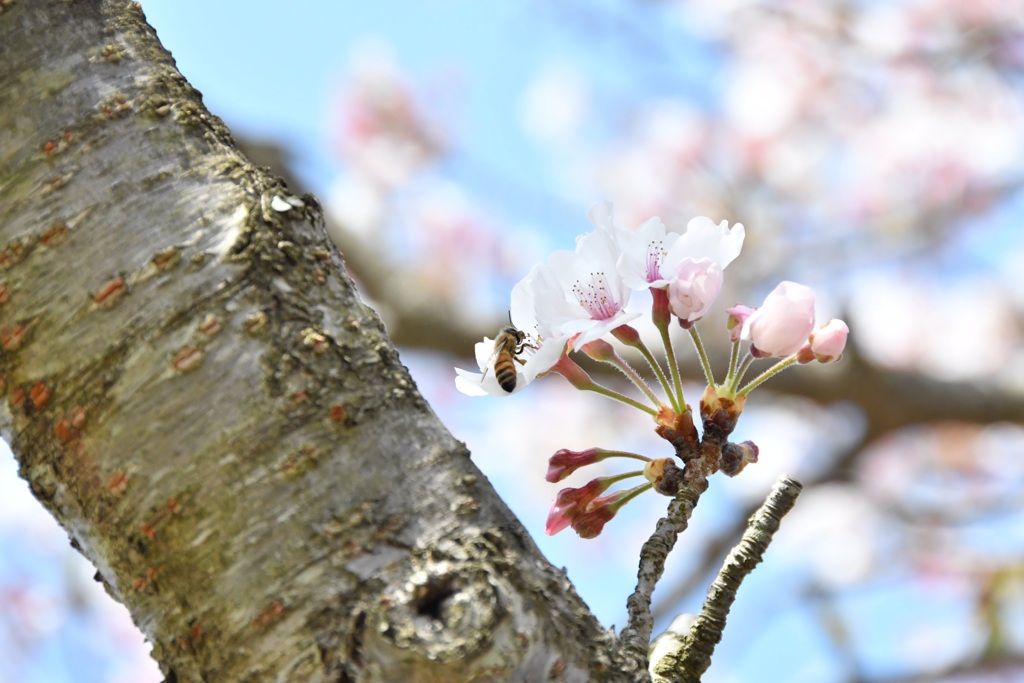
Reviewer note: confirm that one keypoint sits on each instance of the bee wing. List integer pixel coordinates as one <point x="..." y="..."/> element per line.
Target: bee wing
<point x="483" y="351"/>
<point x="490" y="361"/>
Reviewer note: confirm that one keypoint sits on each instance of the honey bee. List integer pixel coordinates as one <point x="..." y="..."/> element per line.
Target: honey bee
<point x="509" y="343"/>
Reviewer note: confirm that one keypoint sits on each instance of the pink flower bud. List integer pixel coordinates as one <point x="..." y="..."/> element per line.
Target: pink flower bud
<point x="695" y="287"/>
<point x="738" y="315"/>
<point x="783" y="323"/>
<point x="626" y="334"/>
<point x="558" y="520"/>
<point x="805" y="355"/>
<point x="829" y="340"/>
<point x="571" y="502"/>
<point x="591" y="523"/>
<point x="564" y="462"/>
<point x="577" y="376"/>
<point x="660" y="313"/>
<point x="599" y="349"/>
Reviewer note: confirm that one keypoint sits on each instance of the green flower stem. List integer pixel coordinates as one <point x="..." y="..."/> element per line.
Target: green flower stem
<point x="744" y="366"/>
<point x="705" y="363"/>
<point x="626" y="369"/>
<point x="770" y="372"/>
<point x="734" y="356"/>
<point x="625" y="475"/>
<point x="674" y="367"/>
<point x="624" y="454"/>
<point x="605" y="391"/>
<point x="634" y="341"/>
<point x="661" y="316"/>
<point x="578" y="377"/>
<point x="631" y="494"/>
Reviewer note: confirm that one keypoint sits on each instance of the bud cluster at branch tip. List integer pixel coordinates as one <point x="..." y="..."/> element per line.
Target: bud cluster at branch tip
<point x="582" y="301"/>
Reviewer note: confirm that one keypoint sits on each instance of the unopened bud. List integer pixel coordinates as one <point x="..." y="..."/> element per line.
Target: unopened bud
<point x="829" y="340"/>
<point x="577" y="376"/>
<point x="738" y="314"/>
<point x="591" y="523"/>
<point x="599" y="349"/>
<point x="564" y="462"/>
<point x="783" y="323"/>
<point x="736" y="456"/>
<point x="664" y="475"/>
<point x="627" y="335"/>
<point x="570" y="502"/>
<point x="720" y="412"/>
<point x="678" y="429"/>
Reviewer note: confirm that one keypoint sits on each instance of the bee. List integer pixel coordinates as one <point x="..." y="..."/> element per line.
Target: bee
<point x="509" y="343"/>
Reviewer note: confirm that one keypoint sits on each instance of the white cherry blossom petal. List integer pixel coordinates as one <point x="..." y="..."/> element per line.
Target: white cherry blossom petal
<point x="704" y="239"/>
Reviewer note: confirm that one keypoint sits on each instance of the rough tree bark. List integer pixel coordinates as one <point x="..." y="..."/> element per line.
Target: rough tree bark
<point x="195" y="391"/>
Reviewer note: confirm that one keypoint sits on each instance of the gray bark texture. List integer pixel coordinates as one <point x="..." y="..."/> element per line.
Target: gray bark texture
<point x="195" y="391"/>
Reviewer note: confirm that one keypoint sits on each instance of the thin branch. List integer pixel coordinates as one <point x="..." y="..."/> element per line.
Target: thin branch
<point x="689" y="663"/>
<point x="636" y="635"/>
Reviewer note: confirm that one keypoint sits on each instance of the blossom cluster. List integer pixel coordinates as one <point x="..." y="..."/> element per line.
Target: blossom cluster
<point x="577" y="300"/>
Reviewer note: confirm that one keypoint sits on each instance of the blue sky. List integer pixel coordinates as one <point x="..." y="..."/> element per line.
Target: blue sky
<point x="284" y="88"/>
<point x="275" y="73"/>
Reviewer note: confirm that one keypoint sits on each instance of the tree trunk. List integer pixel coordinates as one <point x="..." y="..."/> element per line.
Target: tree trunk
<point x="197" y="394"/>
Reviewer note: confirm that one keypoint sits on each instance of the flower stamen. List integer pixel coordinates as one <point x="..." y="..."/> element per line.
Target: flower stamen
<point x="655" y="255"/>
<point x="597" y="297"/>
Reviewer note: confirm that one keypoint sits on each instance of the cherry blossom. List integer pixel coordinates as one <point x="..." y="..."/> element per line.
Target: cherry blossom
<point x="705" y="240"/>
<point x="738" y="314"/>
<point x="570" y="502"/>
<point x="651" y="254"/>
<point x="829" y="340"/>
<point x="579" y="293"/>
<point x="643" y="252"/>
<point x="538" y="356"/>
<point x="694" y="288"/>
<point x="783" y="323"/>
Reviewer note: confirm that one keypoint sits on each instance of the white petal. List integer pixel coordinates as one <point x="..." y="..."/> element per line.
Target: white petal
<point x="483" y="351"/>
<point x="469" y="382"/>
<point x="475" y="384"/>
<point x="704" y="239"/>
<point x="599" y="328"/>
<point x="600" y="215"/>
<point x="546" y="356"/>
